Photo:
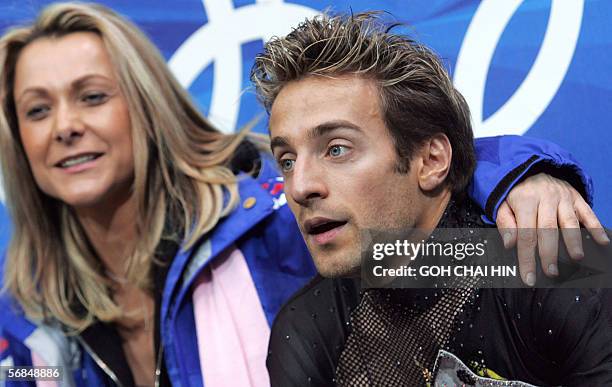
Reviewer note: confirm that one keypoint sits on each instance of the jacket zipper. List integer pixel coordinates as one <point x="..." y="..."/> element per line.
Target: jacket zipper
<point x="158" y="365"/>
<point x="100" y="363"/>
<point x="111" y="374"/>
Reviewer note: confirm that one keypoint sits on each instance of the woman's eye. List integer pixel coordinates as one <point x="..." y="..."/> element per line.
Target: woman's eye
<point x="37" y="112"/>
<point x="286" y="164"/>
<point x="337" y="150"/>
<point x="94" y="98"/>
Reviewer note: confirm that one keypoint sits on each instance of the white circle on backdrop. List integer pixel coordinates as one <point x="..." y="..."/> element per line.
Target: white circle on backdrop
<point x="544" y="78"/>
<point x="220" y="40"/>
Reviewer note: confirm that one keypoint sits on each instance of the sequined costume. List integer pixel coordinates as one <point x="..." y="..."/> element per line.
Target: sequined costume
<point x="330" y="333"/>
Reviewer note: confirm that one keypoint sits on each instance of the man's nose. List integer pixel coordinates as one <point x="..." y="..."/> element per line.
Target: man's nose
<point x="307" y="183"/>
<point x="68" y="124"/>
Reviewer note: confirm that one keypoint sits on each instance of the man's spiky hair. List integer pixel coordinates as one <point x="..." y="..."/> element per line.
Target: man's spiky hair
<point x="417" y="97"/>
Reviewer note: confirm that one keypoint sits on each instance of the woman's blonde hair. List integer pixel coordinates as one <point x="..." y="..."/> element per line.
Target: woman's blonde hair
<point x="181" y="176"/>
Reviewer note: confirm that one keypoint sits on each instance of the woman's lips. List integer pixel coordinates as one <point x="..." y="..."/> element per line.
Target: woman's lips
<point x="82" y="166"/>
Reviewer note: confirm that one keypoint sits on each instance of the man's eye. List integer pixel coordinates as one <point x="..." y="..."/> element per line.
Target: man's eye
<point x="286" y="164"/>
<point x="37" y="112"/>
<point x="94" y="98"/>
<point x="337" y="150"/>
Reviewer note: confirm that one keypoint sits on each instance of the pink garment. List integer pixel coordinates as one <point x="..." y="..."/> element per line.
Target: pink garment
<point x="232" y="330"/>
<point x="37" y="361"/>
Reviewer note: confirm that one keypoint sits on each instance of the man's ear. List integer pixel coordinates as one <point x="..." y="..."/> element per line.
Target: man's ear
<point x="436" y="155"/>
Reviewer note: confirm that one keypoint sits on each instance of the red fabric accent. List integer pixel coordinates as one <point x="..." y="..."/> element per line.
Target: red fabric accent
<point x="277" y="188"/>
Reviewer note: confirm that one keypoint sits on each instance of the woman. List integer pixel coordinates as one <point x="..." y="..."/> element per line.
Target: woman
<point x="138" y="256"/>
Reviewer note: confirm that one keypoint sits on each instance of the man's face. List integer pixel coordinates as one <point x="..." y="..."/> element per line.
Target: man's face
<point x="339" y="160"/>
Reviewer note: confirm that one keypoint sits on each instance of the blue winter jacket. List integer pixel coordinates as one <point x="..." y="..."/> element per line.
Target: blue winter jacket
<point x="277" y="258"/>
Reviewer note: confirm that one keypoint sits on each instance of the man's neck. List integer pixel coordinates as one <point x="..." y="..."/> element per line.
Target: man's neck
<point x="432" y="212"/>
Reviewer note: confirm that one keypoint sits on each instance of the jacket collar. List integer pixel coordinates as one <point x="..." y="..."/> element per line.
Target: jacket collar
<point x="13" y="320"/>
<point x="227" y="232"/>
<point x="255" y="205"/>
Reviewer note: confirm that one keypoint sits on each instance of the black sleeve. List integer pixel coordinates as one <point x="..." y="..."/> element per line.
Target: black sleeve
<point x="584" y="344"/>
<point x="309" y="332"/>
<point x="570" y="329"/>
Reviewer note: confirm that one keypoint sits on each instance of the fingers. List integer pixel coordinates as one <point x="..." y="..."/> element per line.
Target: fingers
<point x="570" y="229"/>
<point x="532" y="213"/>
<point x="526" y="216"/>
<point x="548" y="236"/>
<point x="506" y="225"/>
<point x="587" y="217"/>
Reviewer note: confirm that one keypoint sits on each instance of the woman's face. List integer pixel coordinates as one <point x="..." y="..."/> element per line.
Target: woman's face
<point x="74" y="121"/>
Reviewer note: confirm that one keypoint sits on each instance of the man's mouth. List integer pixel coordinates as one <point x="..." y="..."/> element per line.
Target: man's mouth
<point x="323" y="230"/>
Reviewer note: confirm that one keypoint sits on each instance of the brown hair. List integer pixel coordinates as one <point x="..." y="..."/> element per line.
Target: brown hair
<point x="418" y="99"/>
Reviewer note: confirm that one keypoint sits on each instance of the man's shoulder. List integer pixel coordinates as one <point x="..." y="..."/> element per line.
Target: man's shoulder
<point x="319" y="295"/>
<point x="308" y="333"/>
<point x="566" y="331"/>
<point x="539" y="302"/>
<point x="549" y="308"/>
<point x="559" y="323"/>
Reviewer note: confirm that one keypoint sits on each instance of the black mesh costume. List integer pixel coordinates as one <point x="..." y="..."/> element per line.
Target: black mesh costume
<point x="331" y="333"/>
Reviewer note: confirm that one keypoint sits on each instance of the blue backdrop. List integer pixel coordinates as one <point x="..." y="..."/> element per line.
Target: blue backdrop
<point x="534" y="67"/>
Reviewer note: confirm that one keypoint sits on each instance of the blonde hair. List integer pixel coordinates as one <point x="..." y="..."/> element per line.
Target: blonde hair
<point x="181" y="176"/>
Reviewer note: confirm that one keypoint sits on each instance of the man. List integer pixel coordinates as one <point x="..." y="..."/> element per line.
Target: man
<point x="370" y="134"/>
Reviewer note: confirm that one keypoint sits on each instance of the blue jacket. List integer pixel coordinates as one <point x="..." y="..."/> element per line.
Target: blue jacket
<point x="277" y="259"/>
